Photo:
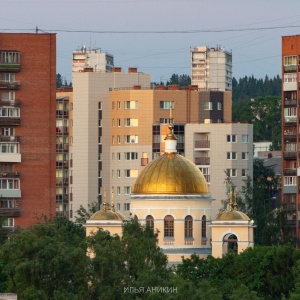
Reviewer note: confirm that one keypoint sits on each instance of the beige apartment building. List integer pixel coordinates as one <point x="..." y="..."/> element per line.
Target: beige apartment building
<point x="91" y="125"/>
<point x="211" y="68"/>
<point x="202" y="123"/>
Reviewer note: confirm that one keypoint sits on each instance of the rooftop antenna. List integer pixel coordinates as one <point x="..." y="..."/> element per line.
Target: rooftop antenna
<point x="36" y="29"/>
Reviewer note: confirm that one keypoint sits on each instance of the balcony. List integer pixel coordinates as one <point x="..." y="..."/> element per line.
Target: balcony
<point x="62" y="214"/>
<point x="61" y="114"/>
<point x="9" y="85"/>
<point x="289" y="154"/>
<point x="62" y="147"/>
<point x="202" y="161"/>
<point x="10" y="121"/>
<point x="290" y="172"/>
<point x="287" y="207"/>
<point x="61" y="181"/>
<point x="290" y="119"/>
<point x="10" y="157"/>
<point x="9" y="175"/>
<point x="10" y="208"/>
<point x="290" y="134"/>
<point x="62" y="164"/>
<point x="291" y="223"/>
<point x="205" y="144"/>
<point x="290" y="102"/>
<point x="10" y="67"/>
<point x="62" y="198"/>
<point x="12" y="103"/>
<point x="289" y="68"/>
<point x="63" y="130"/>
<point x="10" y="61"/>
<point x="12" y="138"/>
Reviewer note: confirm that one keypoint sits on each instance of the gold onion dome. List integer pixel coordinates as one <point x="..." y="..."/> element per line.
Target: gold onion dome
<point x="171" y="173"/>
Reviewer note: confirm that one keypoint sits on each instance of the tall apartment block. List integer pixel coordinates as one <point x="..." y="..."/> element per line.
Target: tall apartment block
<point x="95" y="59"/>
<point x="27" y="127"/>
<point x="211" y="68"/>
<point x="290" y="133"/>
<point x="89" y="148"/>
<point x="205" y="135"/>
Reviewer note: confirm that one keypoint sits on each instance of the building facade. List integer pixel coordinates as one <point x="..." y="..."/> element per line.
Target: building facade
<point x="205" y="135"/>
<point x="89" y="147"/>
<point x="290" y="133"/>
<point x="211" y="68"/>
<point x="27" y="124"/>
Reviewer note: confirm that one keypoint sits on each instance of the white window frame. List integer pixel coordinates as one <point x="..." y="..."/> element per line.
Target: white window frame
<point x="231" y="156"/>
<point x="208" y="105"/>
<point x="245" y="138"/>
<point x="245" y="155"/>
<point x="290" y="180"/>
<point x="231" y="138"/>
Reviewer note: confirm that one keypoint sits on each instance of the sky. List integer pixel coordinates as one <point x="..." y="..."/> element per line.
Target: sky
<point x="156" y="35"/>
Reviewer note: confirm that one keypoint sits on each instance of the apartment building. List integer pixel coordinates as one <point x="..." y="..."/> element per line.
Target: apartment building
<point x="95" y="59"/>
<point x="290" y="133"/>
<point x="89" y="147"/>
<point x="27" y="124"/>
<point x="211" y="68"/>
<point x="205" y="135"/>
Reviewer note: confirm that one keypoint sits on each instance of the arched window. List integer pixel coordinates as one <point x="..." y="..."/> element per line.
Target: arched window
<point x="169" y="226"/>
<point x="150" y="222"/>
<point x="188" y="227"/>
<point x="204" y="227"/>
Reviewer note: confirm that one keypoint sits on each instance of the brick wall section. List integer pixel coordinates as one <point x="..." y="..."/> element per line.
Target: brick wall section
<point x="37" y="129"/>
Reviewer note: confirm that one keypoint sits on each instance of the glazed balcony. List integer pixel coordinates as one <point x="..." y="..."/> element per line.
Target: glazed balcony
<point x="62" y="147"/>
<point x="12" y="138"/>
<point x="62" y="198"/>
<point x="289" y="68"/>
<point x="290" y="134"/>
<point x="200" y="161"/>
<point x="9" y="175"/>
<point x="10" y="208"/>
<point x="62" y="214"/>
<point x="62" y="130"/>
<point x="10" y="61"/>
<point x="290" y="119"/>
<point x="60" y="181"/>
<point x="9" y="85"/>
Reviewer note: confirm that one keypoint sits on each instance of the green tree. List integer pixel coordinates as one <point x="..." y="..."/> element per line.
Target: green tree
<point x="47" y="261"/>
<point x="84" y="214"/>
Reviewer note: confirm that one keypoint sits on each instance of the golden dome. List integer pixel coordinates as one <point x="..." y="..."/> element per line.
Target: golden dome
<point x="170" y="173"/>
<point x="107" y="215"/>
<point x="232" y="215"/>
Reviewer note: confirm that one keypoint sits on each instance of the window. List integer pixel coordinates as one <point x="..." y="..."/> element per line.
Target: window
<point x="188" y="227"/>
<point x="119" y="173"/>
<point x="113" y="174"/>
<point x="9" y="222"/>
<point x="118" y="156"/>
<point x="169" y="226"/>
<point x="118" y="206"/>
<point x="166" y="104"/>
<point x="127" y="190"/>
<point x="8" y="96"/>
<point x="290" y="77"/>
<point x="10" y="57"/>
<point x="119" y="139"/>
<point x="100" y="122"/>
<point x="290" y="180"/>
<point x="130" y="173"/>
<point x="231" y="138"/>
<point x="113" y="139"/>
<point x="127" y="206"/>
<point x="131" y="155"/>
<point x="113" y="156"/>
<point x="219" y="106"/>
<point x="119" y="122"/>
<point x="231" y="155"/>
<point x="244" y="172"/>
<point x="205" y="172"/>
<point x="9" y="184"/>
<point x="9" y="148"/>
<point x="245" y="155"/>
<point x="203" y="227"/>
<point x="231" y="172"/>
<point x="131" y="104"/>
<point x="100" y="105"/>
<point x="7" y="131"/>
<point x="131" y="139"/>
<point x="8" y="77"/>
<point x="207" y="121"/>
<point x="113" y="105"/>
<point x="245" y="138"/>
<point x="9" y="112"/>
<point x="118" y="105"/>
<point x="208" y="106"/>
<point x="131" y="122"/>
<point x="118" y="190"/>
<point x="113" y="123"/>
<point x="150" y="222"/>
<point x="164" y="121"/>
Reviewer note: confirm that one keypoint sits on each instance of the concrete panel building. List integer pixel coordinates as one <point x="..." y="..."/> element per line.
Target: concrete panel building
<point x="27" y="124"/>
<point x="211" y="68"/>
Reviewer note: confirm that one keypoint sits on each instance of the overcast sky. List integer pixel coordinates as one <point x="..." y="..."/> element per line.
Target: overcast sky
<point x="158" y="48"/>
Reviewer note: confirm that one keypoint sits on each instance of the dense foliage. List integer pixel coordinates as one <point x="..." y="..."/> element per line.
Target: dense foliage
<point x="61" y="82"/>
<point x="49" y="261"/>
